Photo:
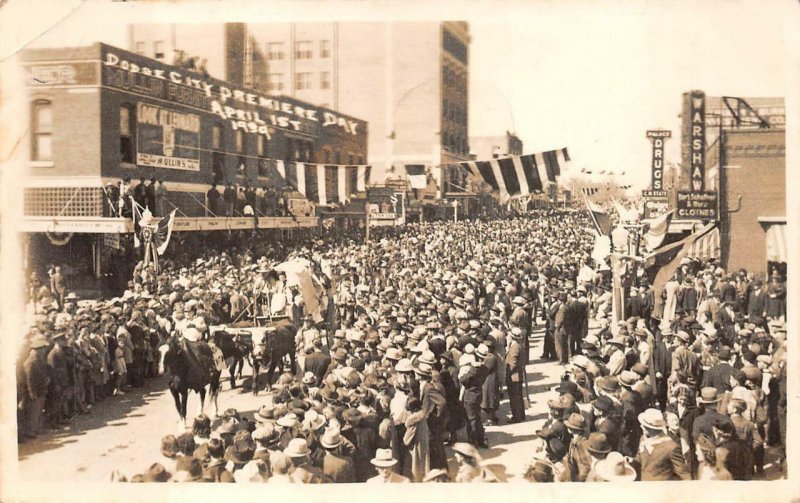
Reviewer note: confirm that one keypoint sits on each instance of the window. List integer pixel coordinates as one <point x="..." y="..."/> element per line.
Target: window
<point x="325" y="80"/>
<point x="127" y="124"/>
<point x="42" y="144"/>
<point x="239" y="140"/>
<point x="158" y="49"/>
<point x="275" y="82"/>
<point x="261" y="146"/>
<point x="140" y="47"/>
<point x="324" y="48"/>
<point x="302" y="50"/>
<point x="275" y="51"/>
<point x="302" y="80"/>
<point x="218" y="159"/>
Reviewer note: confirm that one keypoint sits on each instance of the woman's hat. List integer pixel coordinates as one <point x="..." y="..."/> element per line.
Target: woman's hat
<point x="614" y="468"/>
<point x="383" y="458"/>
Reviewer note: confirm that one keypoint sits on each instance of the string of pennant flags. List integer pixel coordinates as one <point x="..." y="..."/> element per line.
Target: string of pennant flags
<point x="327" y="184"/>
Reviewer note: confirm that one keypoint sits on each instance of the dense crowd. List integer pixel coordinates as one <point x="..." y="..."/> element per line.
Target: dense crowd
<point x="422" y="333"/>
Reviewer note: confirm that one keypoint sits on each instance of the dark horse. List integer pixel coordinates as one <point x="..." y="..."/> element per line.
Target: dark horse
<point x="190" y="366"/>
<point x="234" y="347"/>
<point x="270" y="348"/>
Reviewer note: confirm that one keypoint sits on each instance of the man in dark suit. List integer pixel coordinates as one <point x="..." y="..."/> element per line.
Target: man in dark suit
<point x="727" y="290"/>
<point x="36" y="380"/>
<point x="560" y="334"/>
<point x="707" y="405"/>
<point x="659" y="457"/>
<point x="719" y="376"/>
<point x="757" y="303"/>
<point x="318" y="362"/>
<point x="514" y="378"/>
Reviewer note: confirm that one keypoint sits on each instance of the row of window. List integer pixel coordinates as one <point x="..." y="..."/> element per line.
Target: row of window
<point x="159" y="51"/>
<point x="302" y="81"/>
<point x="303" y="49"/>
<point x="455" y="142"/>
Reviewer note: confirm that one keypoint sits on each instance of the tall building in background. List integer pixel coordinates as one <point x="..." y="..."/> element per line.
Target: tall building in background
<point x="488" y="147"/>
<point x="226" y="51"/>
<point x="409" y="80"/>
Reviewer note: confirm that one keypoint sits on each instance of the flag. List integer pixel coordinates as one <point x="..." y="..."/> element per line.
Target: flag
<point x="624" y="214"/>
<point x="656" y="230"/>
<point x="416" y="176"/>
<point x="164" y="232"/>
<point x="663" y="262"/>
<point x="601" y="220"/>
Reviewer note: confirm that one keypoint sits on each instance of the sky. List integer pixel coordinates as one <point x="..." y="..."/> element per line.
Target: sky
<point x="590" y="77"/>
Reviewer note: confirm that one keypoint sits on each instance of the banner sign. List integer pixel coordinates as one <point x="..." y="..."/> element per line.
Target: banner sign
<point x="244" y="109"/>
<point x="697" y="140"/>
<point x="696" y="206"/>
<point x="658" y="137"/>
<point x="166" y="138"/>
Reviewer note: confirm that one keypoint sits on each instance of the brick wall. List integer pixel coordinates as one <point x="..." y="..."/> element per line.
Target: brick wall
<point x="755" y="168"/>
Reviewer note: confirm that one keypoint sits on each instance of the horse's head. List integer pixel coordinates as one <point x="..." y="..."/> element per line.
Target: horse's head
<point x="170" y="353"/>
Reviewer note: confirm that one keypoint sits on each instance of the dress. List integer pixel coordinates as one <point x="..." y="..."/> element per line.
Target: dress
<point x="417" y="462"/>
<point x="671" y="303"/>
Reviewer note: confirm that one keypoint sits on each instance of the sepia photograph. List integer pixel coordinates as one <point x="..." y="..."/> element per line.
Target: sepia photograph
<point x="399" y="242"/>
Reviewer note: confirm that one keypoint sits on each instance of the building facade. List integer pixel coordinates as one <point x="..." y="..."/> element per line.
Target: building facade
<point x="491" y="147"/>
<point x="744" y="164"/>
<point x="409" y="80"/>
<point x="100" y="115"/>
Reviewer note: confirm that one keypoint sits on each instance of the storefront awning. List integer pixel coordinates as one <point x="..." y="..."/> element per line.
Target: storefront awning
<point x="706" y="247"/>
<point x="776" y="241"/>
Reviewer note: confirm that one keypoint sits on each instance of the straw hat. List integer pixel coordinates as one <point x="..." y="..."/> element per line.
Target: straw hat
<point x="383" y="458"/>
<point x="614" y="468"/>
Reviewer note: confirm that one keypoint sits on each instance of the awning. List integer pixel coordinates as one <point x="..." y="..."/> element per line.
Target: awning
<point x="776" y="243"/>
<point x="706" y="247"/>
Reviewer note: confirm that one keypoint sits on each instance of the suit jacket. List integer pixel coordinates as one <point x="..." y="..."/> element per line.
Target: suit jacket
<point x="318" y="363"/>
<point x="664" y="462"/>
<point x="514" y="363"/>
<point x="578" y="460"/>
<point x="756" y="305"/>
<point x="719" y="377"/>
<point x="36" y="374"/>
<point x="339" y="468"/>
<point x="704" y="423"/>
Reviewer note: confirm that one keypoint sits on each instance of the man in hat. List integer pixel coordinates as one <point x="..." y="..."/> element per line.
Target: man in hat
<point x="578" y="460"/>
<point x="659" y="457"/>
<point x="58" y="398"/>
<point x="560" y="335"/>
<point x="337" y="464"/>
<point x="491" y="399"/>
<point x="514" y="377"/>
<point x="685" y="364"/>
<point x="470" y="462"/>
<point x="304" y="472"/>
<point x="707" y="404"/>
<point x="384" y="463"/>
<point x="757" y="303"/>
<point x="472" y="379"/>
<point x="434" y="404"/>
<point x="36" y="381"/>
<point x="599" y="448"/>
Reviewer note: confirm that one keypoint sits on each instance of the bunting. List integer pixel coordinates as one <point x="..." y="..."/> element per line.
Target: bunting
<point x="521" y="174"/>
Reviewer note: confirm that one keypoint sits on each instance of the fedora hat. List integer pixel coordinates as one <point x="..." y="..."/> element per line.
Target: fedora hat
<point x="434" y="474"/>
<point x="566" y="387"/>
<point x="404" y="365"/>
<point x="603" y="403"/>
<point x="598" y="443"/>
<point x="39" y="341"/>
<point x="383" y="458"/>
<point x="619" y="340"/>
<point x="518" y="300"/>
<point x="297" y="448"/>
<point x="265" y="413"/>
<point x="331" y="439"/>
<point x="314" y="420"/>
<point x="628" y="378"/>
<point x="652" y="419"/>
<point x="682" y="335"/>
<point x="288" y="420"/>
<point x="608" y="384"/>
<point x="708" y="395"/>
<point x="466" y="449"/>
<point x="614" y="468"/>
<point x="266" y="434"/>
<point x="423" y="369"/>
<point x="575" y="421"/>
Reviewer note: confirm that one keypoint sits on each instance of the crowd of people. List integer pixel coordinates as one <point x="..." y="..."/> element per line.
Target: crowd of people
<point x="422" y="333"/>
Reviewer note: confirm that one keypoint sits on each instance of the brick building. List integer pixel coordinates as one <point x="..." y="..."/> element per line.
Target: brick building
<point x="752" y="198"/>
<point x="100" y="114"/>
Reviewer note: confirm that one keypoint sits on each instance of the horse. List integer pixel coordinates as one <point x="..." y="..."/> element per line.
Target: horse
<point x="236" y="347"/>
<point x="190" y="366"/>
<point x="269" y="349"/>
